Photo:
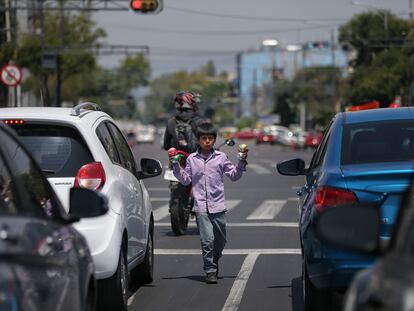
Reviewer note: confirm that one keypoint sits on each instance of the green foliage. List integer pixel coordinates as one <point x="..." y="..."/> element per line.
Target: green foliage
<point x="382" y="65"/>
<point x="312" y="87"/>
<point x="245" y="122"/>
<point x="75" y="30"/>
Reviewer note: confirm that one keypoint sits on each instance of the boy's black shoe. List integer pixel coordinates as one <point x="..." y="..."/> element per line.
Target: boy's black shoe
<point x="211" y="278"/>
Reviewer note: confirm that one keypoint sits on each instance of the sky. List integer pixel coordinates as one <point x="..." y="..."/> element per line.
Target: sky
<point x="188" y="33"/>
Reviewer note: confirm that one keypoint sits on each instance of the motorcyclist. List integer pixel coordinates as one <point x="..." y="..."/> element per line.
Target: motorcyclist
<point x="180" y="134"/>
<point x="186" y="104"/>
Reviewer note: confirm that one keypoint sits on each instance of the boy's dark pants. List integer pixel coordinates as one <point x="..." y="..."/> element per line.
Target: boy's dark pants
<point x="212" y="228"/>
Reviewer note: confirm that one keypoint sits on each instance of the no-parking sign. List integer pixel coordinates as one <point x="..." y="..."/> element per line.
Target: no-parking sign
<point x="11" y="75"/>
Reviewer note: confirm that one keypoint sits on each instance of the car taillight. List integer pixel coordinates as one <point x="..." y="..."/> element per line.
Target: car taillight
<point x="327" y="196"/>
<point x="14" y="122"/>
<point x="91" y="176"/>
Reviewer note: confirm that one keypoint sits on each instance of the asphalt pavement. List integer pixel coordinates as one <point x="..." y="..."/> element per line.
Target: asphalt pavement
<point x="261" y="266"/>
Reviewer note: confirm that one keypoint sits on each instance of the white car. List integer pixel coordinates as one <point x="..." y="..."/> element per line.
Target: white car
<point x="145" y="134"/>
<point x="82" y="147"/>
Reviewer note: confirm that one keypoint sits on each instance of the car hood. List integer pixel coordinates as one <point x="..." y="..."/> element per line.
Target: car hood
<point x="382" y="184"/>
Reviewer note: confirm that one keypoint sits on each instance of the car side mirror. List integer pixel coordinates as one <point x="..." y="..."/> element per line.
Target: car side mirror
<point x="85" y="203"/>
<point x="292" y="167"/>
<point x="354" y="227"/>
<point x="150" y="168"/>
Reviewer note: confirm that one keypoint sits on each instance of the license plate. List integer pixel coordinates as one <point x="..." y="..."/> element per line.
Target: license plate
<point x="169" y="175"/>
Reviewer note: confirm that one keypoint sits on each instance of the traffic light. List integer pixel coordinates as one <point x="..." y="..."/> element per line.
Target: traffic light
<point x="146" y="6"/>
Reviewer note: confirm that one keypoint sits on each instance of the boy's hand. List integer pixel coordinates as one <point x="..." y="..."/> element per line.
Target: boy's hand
<point x="242" y="156"/>
<point x="176" y="158"/>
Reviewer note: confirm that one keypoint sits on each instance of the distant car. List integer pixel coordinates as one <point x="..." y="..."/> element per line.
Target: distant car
<point x="313" y="139"/>
<point x="364" y="157"/>
<point x="265" y="136"/>
<point x="246" y="133"/>
<point x="145" y="135"/>
<point x="389" y="284"/>
<point x="45" y="263"/>
<point x="83" y="147"/>
<point x="300" y="138"/>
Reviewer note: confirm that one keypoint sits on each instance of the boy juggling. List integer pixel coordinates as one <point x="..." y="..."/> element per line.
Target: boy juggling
<point x="205" y="170"/>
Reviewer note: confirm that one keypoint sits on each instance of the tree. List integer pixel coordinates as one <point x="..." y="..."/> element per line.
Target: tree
<point x="381" y="68"/>
<point x="68" y="30"/>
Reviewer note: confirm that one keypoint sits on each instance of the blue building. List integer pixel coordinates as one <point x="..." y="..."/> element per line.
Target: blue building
<point x="257" y="70"/>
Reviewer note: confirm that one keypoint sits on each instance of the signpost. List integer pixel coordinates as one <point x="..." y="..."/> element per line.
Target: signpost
<point x="11" y="75"/>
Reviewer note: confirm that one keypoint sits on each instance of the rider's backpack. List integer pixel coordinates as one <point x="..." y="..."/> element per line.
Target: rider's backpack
<point x="186" y="138"/>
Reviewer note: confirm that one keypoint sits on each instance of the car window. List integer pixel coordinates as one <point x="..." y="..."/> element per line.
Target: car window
<point x="8" y="198"/>
<point x="125" y="153"/>
<point x="378" y="141"/>
<point x="107" y="141"/>
<point x="59" y="150"/>
<point x="39" y="200"/>
<point x="320" y="152"/>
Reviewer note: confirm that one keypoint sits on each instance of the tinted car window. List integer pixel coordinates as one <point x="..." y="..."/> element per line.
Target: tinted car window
<point x="35" y="189"/>
<point x="59" y="150"/>
<point x="379" y="141"/>
<point x="108" y="143"/>
<point x="125" y="153"/>
<point x="8" y="205"/>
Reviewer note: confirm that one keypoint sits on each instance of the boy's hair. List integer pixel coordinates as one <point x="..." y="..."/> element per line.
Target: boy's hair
<point x="206" y="128"/>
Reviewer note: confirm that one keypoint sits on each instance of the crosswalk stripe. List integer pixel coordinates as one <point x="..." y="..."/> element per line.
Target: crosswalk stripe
<point x="242" y="224"/>
<point x="246" y="251"/>
<point x="259" y="169"/>
<point x="230" y="204"/>
<point x="267" y="210"/>
<point x="161" y="212"/>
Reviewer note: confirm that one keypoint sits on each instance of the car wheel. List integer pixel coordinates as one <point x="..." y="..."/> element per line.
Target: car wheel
<point x="113" y="292"/>
<point x="144" y="272"/>
<point x="315" y="299"/>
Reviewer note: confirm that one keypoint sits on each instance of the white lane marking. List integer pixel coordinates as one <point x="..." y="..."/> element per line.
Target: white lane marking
<point x="262" y="251"/>
<point x="267" y="210"/>
<point x="161" y="212"/>
<point x="259" y="169"/>
<point x="158" y="189"/>
<point x="237" y="290"/>
<point x="293" y="199"/>
<point x="131" y="299"/>
<point x="159" y="199"/>
<point x="230" y="204"/>
<point x="243" y="224"/>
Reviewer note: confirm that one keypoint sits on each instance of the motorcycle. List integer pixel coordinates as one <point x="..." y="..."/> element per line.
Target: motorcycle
<point x="181" y="200"/>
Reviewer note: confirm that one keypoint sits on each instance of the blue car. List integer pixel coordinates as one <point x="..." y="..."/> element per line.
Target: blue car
<point x="364" y="157"/>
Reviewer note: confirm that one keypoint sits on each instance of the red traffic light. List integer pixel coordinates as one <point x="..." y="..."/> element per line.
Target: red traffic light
<point x="146" y="6"/>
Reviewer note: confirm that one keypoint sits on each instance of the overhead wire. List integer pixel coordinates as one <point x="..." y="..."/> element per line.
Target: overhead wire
<point x="246" y="17"/>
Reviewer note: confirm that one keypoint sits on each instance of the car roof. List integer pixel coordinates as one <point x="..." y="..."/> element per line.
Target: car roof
<point x="51" y="114"/>
<point x="402" y="113"/>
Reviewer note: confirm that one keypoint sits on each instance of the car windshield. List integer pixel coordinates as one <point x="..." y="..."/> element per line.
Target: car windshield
<point x="380" y="141"/>
<point x="59" y="150"/>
